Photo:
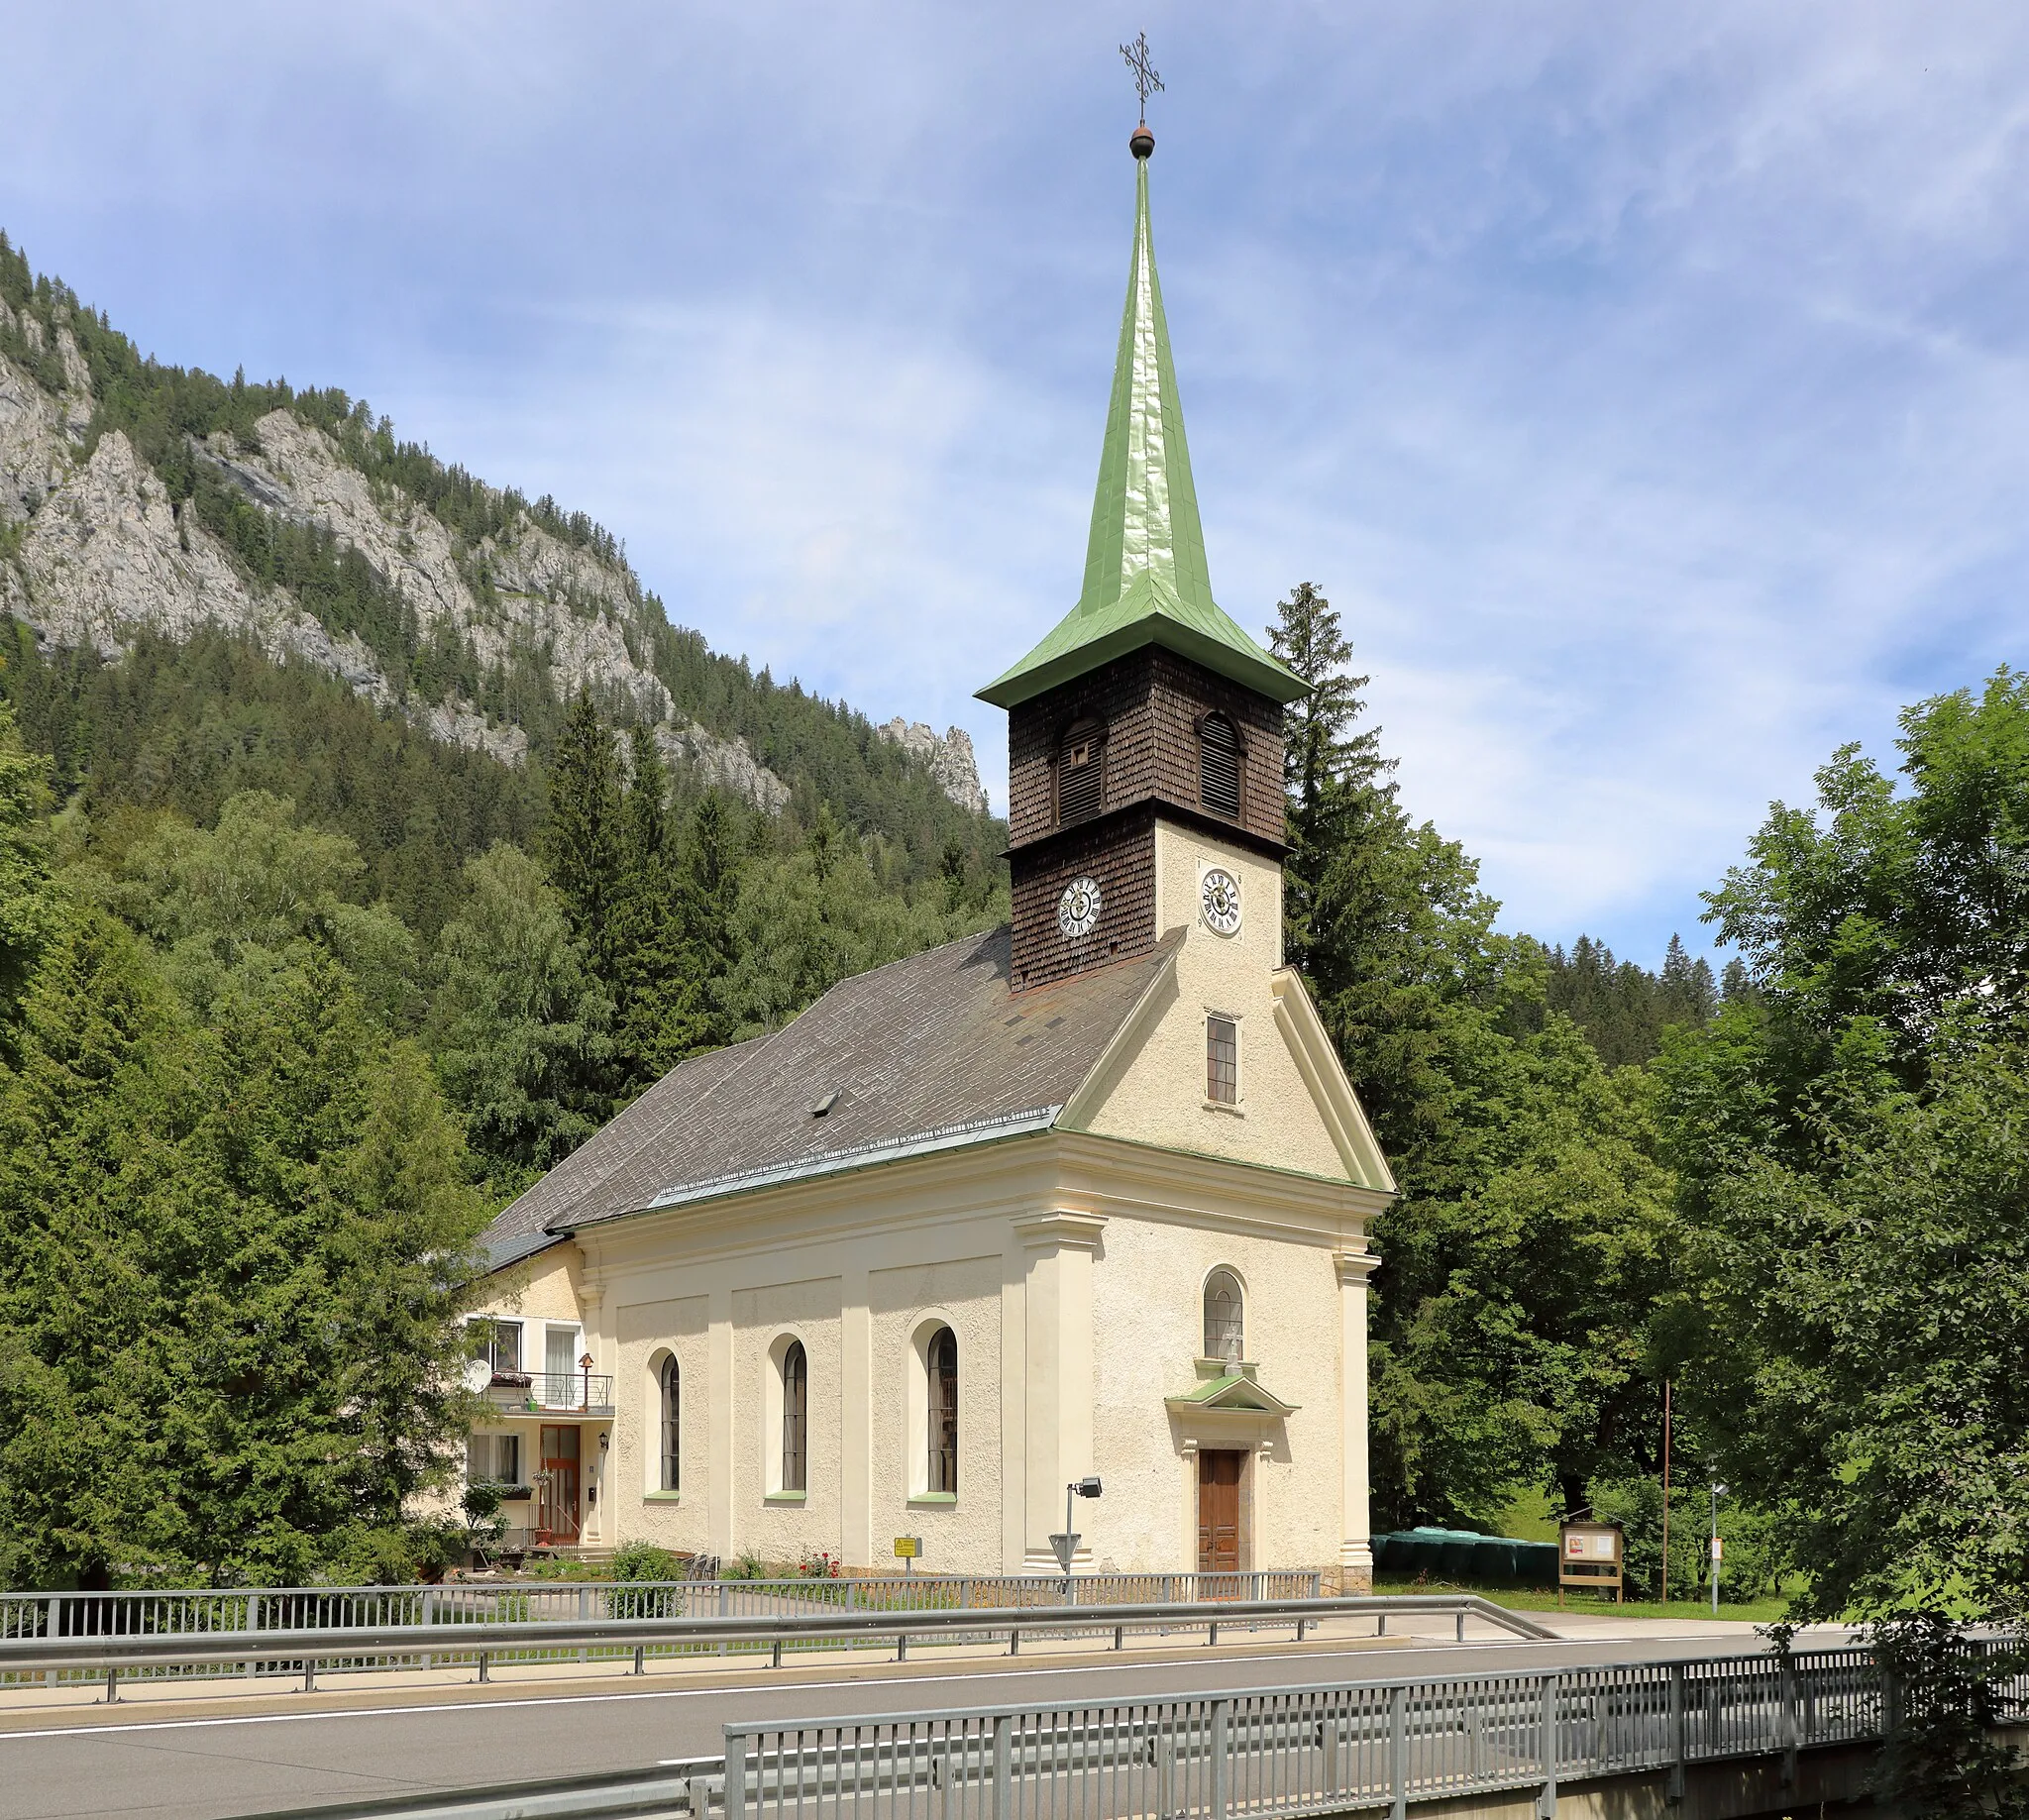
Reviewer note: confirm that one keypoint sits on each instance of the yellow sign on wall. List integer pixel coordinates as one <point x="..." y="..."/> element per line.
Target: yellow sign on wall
<point x="909" y="1547"/>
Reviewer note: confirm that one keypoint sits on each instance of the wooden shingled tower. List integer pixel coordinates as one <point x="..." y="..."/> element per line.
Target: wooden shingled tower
<point x="1146" y="702"/>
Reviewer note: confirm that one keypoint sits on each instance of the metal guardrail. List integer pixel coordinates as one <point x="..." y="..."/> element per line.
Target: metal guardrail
<point x="1278" y="1754"/>
<point x="1291" y="1751"/>
<point x="183" y="1612"/>
<point x="305" y="1652"/>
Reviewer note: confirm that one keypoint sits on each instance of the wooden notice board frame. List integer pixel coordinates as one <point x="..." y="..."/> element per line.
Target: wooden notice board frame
<point x="1592" y="1557"/>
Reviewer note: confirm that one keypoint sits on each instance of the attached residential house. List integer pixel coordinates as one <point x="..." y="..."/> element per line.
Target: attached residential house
<point x="1086" y="1195"/>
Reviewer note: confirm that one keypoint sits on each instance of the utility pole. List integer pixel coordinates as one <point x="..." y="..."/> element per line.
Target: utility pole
<point x="1666" y="1496"/>
<point x="1718" y="1493"/>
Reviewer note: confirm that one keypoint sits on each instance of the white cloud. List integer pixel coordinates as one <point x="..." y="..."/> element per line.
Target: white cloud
<point x="1647" y="384"/>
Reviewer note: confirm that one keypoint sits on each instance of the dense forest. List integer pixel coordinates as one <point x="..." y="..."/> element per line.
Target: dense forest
<point x="292" y="994"/>
<point x="1801" y="1198"/>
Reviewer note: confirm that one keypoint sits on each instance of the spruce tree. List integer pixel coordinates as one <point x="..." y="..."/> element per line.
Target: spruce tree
<point x="1390" y="928"/>
<point x="26" y="910"/>
<point x="652" y="990"/>
<point x="583" y="843"/>
<point x="1327" y="764"/>
<point x="708" y="890"/>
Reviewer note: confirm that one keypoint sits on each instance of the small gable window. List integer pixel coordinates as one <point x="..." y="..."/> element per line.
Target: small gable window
<point x="1081" y="773"/>
<point x="1225" y="1327"/>
<point x="1219" y="766"/>
<point x="1221" y="1060"/>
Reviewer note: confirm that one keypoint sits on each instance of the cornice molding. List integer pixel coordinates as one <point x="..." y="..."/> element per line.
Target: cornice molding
<point x="1060" y="1228"/>
<point x="1355" y="1266"/>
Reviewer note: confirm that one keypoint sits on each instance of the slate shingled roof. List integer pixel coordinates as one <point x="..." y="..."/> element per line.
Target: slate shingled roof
<point x="933" y="1046"/>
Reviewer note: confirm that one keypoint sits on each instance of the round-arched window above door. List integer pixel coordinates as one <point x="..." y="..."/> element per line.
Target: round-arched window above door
<point x="1225" y="1320"/>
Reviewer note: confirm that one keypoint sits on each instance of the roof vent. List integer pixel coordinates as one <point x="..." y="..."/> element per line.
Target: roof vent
<point x="824" y="1105"/>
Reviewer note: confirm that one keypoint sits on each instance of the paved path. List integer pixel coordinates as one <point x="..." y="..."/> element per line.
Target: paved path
<point x="212" y="1755"/>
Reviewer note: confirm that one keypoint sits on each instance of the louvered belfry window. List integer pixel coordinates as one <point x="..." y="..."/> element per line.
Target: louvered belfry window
<point x="1081" y="773"/>
<point x="1219" y="766"/>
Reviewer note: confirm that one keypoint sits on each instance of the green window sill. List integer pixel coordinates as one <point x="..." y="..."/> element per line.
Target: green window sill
<point x="934" y="1497"/>
<point x="662" y="1497"/>
<point x="786" y="1497"/>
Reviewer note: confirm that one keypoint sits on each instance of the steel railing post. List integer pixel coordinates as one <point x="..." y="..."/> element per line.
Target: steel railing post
<point x="1785" y="1714"/>
<point x="735" y="1776"/>
<point x="1398" y="1751"/>
<point x="1675" y="1787"/>
<point x="1547" y="1802"/>
<point x="1221" y="1791"/>
<point x="1003" y="1773"/>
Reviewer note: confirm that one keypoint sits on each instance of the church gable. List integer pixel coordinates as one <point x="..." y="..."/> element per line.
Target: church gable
<point x="1226" y="1056"/>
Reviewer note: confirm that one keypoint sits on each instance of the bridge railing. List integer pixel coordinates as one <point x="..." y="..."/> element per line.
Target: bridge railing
<point x="1288" y="1752"/>
<point x="487" y="1644"/>
<point x="203" y="1611"/>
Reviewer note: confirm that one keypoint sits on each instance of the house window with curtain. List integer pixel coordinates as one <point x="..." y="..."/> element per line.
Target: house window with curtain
<point x="1218" y="767"/>
<point x="1225" y="1325"/>
<point x="496" y="1343"/>
<point x="943" y="1359"/>
<point x="671" y="1417"/>
<point x="796" y="1422"/>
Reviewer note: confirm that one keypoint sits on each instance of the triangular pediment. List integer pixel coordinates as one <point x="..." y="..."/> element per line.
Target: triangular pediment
<point x="1235" y="1394"/>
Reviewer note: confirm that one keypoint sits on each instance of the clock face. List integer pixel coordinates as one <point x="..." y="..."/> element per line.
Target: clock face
<point x="1218" y="897"/>
<point x="1078" y="908"/>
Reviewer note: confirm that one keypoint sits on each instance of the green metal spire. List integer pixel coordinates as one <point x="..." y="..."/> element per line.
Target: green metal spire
<point x="1145" y="575"/>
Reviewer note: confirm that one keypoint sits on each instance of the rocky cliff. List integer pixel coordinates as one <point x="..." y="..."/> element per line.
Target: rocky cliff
<point x="951" y="760"/>
<point x="93" y="546"/>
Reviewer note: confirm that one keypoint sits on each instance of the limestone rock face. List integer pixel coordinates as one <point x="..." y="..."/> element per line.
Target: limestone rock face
<point x="92" y="551"/>
<point x="951" y="760"/>
<point x="727" y="764"/>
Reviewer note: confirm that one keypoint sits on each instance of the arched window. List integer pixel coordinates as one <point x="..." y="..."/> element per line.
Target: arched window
<point x="671" y="1417"/>
<point x="942" y="1360"/>
<point x="1224" y="1329"/>
<point x="796" y="1422"/>
<point x="1081" y="773"/>
<point x="1219" y="766"/>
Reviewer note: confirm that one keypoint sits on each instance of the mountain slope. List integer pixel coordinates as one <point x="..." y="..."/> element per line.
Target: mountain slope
<point x="140" y="499"/>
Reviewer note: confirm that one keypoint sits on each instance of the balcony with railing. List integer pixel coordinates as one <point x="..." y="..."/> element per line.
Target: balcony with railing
<point x="544" y="1393"/>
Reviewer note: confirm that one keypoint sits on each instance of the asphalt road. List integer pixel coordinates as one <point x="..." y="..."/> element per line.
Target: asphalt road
<point x="245" y="1757"/>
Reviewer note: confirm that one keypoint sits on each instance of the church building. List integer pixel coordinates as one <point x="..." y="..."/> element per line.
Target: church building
<point x="1085" y="1196"/>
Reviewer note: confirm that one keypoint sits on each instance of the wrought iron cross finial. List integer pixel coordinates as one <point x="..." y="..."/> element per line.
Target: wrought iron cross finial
<point x="1146" y="81"/>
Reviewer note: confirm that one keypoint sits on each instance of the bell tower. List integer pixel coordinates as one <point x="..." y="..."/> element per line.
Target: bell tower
<point x="1146" y="704"/>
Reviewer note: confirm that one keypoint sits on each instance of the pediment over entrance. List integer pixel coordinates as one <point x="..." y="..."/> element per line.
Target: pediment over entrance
<point x="1237" y="1393"/>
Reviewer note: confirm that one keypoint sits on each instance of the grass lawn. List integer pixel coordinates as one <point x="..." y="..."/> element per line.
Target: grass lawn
<point x="1538" y="1599"/>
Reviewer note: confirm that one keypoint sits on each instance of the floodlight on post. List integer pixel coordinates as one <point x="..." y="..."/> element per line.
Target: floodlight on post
<point x="1065" y="1547"/>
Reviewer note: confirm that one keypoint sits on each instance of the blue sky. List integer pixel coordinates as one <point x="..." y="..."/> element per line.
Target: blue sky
<point x="1646" y="385"/>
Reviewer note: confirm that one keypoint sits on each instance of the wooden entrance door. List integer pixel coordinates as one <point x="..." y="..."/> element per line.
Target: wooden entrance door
<point x="556" y="1519"/>
<point x="1218" y="1512"/>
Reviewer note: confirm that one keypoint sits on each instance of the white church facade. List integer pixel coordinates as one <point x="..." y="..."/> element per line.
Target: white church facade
<point x="1084" y="1196"/>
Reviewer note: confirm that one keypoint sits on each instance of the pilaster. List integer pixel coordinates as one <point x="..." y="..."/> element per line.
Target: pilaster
<point x="723" y="1421"/>
<point x="1355" y="1547"/>
<point x="1057" y="1368"/>
<point x="856" y="1421"/>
